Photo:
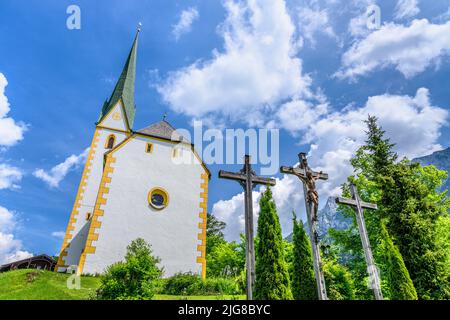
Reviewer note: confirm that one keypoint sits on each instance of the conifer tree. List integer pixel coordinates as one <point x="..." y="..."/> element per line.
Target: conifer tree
<point x="272" y="277"/>
<point x="377" y="154"/>
<point x="410" y="204"/>
<point x="303" y="281"/>
<point x="401" y="286"/>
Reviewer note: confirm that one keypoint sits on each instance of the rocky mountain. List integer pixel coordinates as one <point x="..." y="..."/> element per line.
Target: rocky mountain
<point x="329" y="218"/>
<point x="439" y="159"/>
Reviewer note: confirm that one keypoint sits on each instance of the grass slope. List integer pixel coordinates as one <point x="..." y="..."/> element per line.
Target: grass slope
<point x="45" y="285"/>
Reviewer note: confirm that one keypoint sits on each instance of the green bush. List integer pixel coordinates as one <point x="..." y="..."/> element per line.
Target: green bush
<point x="192" y="284"/>
<point x="180" y="283"/>
<point x="215" y="286"/>
<point x="135" y="278"/>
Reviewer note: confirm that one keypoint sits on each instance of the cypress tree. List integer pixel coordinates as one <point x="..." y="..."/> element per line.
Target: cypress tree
<point x="272" y="277"/>
<point x="400" y="283"/>
<point x="304" y="285"/>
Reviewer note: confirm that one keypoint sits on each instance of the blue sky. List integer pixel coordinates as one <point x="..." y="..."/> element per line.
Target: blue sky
<point x="309" y="68"/>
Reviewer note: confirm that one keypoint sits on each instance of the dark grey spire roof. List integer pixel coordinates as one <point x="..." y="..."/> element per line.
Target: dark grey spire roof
<point x="163" y="130"/>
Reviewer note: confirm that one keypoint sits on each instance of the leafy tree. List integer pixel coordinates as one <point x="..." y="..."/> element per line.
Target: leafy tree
<point x="272" y="277"/>
<point x="224" y="259"/>
<point x="443" y="241"/>
<point x="135" y="278"/>
<point x="214" y="232"/>
<point x="303" y="280"/>
<point x="401" y="286"/>
<point x="338" y="279"/>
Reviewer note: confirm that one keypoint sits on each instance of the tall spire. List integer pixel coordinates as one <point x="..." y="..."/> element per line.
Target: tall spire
<point x="125" y="87"/>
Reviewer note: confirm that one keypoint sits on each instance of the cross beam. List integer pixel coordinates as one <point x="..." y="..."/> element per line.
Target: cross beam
<point x="248" y="179"/>
<point x="243" y="178"/>
<point x="308" y="177"/>
<point x="353" y="203"/>
<point x="359" y="205"/>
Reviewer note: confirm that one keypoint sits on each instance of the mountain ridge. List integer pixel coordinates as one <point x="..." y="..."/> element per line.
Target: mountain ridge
<point x="439" y="159"/>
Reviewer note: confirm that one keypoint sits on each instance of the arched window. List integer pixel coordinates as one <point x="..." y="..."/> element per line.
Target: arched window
<point x="110" y="142"/>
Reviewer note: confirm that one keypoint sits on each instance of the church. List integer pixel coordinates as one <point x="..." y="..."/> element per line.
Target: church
<point x="135" y="186"/>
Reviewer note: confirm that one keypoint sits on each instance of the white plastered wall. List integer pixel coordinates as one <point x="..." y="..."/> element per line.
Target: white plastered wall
<point x="89" y="193"/>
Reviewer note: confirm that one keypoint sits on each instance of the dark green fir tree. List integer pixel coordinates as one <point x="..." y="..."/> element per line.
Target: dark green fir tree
<point x="272" y="276"/>
<point x="303" y="281"/>
<point x="400" y="283"/>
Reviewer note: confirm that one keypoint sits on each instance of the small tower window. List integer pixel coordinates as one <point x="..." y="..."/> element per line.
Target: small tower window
<point x="88" y="216"/>
<point x="149" y="148"/>
<point x="110" y="142"/>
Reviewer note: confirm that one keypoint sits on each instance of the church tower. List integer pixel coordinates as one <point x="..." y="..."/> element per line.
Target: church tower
<point x="135" y="186"/>
<point x="113" y="126"/>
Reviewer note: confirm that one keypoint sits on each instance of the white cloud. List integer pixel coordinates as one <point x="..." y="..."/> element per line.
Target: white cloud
<point x="313" y="22"/>
<point x="412" y="123"/>
<point x="299" y="115"/>
<point x="358" y="25"/>
<point x="7" y="222"/>
<point x="410" y="49"/>
<point x="184" y="24"/>
<point x="257" y="69"/>
<point x="11" y="249"/>
<point x="59" y="172"/>
<point x="11" y="132"/>
<point x="406" y="9"/>
<point x="58" y="234"/>
<point x="288" y="196"/>
<point x="9" y="176"/>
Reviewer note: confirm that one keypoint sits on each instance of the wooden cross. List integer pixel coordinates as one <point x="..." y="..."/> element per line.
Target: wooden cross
<point x="359" y="205"/>
<point x="308" y="177"/>
<point x="248" y="179"/>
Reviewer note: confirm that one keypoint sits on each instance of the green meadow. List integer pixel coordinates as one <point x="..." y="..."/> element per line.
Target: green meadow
<point x="45" y="285"/>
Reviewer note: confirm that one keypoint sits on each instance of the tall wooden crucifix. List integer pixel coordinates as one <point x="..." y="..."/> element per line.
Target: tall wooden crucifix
<point x="359" y="205"/>
<point x="248" y="179"/>
<point x="308" y="177"/>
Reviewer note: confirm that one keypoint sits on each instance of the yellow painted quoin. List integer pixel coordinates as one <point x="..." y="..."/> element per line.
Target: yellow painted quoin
<point x="79" y="197"/>
<point x="202" y="225"/>
<point x="98" y="212"/>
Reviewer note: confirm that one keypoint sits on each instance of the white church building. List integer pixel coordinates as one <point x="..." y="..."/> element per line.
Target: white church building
<point x="135" y="186"/>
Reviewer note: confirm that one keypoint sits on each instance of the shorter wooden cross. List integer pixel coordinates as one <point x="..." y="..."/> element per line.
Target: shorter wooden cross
<point x="359" y="206"/>
<point x="248" y="179"/>
<point x="308" y="177"/>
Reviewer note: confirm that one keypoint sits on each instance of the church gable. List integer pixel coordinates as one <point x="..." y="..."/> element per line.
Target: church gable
<point x="115" y="119"/>
<point x="132" y="172"/>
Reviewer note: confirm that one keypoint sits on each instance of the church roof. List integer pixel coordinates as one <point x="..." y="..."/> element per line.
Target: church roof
<point x="124" y="88"/>
<point x="164" y="130"/>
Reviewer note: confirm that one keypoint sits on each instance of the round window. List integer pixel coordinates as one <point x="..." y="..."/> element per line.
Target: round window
<point x="158" y="198"/>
